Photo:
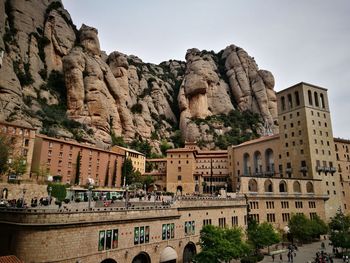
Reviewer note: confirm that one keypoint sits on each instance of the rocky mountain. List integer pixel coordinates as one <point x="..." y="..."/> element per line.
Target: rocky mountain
<point x="56" y="78"/>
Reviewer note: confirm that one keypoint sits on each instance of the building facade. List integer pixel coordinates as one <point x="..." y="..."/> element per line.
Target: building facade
<point x="191" y="170"/>
<point x="138" y="159"/>
<point x="141" y="234"/>
<point x="342" y="147"/>
<point x="21" y="140"/>
<point x="76" y="164"/>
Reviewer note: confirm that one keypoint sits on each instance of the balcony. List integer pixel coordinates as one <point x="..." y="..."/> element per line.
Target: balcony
<point x="269" y="173"/>
<point x="327" y="169"/>
<point x="333" y="169"/>
<point x="289" y="170"/>
<point x="258" y="174"/>
<point x="320" y="169"/>
<point x="303" y="169"/>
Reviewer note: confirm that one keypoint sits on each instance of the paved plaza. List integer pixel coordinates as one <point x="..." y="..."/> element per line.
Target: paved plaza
<point x="305" y="253"/>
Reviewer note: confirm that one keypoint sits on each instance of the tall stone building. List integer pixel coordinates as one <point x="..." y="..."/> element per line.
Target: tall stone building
<point x="306" y="139"/>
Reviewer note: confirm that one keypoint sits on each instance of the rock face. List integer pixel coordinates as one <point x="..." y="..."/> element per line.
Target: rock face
<point x="57" y="79"/>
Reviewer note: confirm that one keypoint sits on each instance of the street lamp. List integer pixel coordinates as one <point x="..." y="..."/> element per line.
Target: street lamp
<point x="90" y="194"/>
<point x="24" y="192"/>
<point x="49" y="190"/>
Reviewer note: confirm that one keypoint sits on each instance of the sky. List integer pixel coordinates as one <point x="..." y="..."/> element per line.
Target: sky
<point x="297" y="40"/>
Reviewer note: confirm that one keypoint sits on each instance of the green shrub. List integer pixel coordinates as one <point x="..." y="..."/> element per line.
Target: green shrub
<point x="66" y="200"/>
<point x="58" y="190"/>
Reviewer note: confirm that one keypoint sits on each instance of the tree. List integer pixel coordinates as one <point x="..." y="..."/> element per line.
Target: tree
<point x="57" y="190"/>
<point x="127" y="171"/>
<point x="4" y="153"/>
<point x="340" y="230"/>
<point x="18" y="165"/>
<point x="318" y="227"/>
<point x="262" y="235"/>
<point x="220" y="244"/>
<point x="299" y="227"/>
<point x="147" y="180"/>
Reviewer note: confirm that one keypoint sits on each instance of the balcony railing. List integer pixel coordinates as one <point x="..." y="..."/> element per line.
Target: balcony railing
<point x="269" y="173"/>
<point x="289" y="170"/>
<point x="320" y="169"/>
<point x="303" y="169"/>
<point x="333" y="169"/>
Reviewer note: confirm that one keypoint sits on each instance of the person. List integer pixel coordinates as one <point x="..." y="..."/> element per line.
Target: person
<point x="281" y="257"/>
<point x="273" y="257"/>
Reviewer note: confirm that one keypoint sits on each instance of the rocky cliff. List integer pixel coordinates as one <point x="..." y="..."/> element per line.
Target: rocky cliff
<point x="55" y="78"/>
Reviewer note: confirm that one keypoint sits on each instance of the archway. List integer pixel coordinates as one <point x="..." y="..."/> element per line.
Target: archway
<point x="296" y="187"/>
<point x="168" y="255"/>
<point x="246" y="164"/>
<point x="257" y="163"/>
<point x="109" y="260"/>
<point x="268" y="186"/>
<point x="143" y="257"/>
<point x="179" y="190"/>
<point x="309" y="187"/>
<point x="269" y="162"/>
<point x="4" y="193"/>
<point x="189" y="252"/>
<point x="283" y="187"/>
<point x="252" y="185"/>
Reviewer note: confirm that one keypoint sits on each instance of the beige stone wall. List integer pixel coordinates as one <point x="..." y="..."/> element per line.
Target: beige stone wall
<point x="15" y="191"/>
<point x="342" y="148"/>
<point x="306" y="136"/>
<point x="76" y="233"/>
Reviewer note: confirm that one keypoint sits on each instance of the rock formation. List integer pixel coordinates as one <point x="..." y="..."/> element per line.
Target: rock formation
<point x="57" y="79"/>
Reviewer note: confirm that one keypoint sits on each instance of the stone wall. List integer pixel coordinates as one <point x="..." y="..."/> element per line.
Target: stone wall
<point x="15" y="191"/>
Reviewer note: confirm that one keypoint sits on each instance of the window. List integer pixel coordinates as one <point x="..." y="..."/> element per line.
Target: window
<point x="179" y="177"/>
<point x="297" y="100"/>
<point x="290" y="102"/>
<point x="108" y="239"/>
<point x="316" y="99"/>
<point x="283" y="102"/>
<point x="190" y="228"/>
<point x="222" y="222"/>
<point x="310" y="100"/>
<point x="285" y="217"/>
<point x="235" y="221"/>
<point x="298" y="204"/>
<point x="141" y="235"/>
<point x="168" y="231"/>
<point x="285" y="204"/>
<point x="179" y="168"/>
<point x="271" y="218"/>
<point x="206" y="222"/>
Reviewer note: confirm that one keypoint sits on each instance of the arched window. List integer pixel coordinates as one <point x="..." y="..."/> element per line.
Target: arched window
<point x="309" y="94"/>
<point x="309" y="187"/>
<point x="252" y="185"/>
<point x="316" y="99"/>
<point x="268" y="186"/>
<point x="322" y="101"/>
<point x="270" y="166"/>
<point x="296" y="187"/>
<point x="290" y="102"/>
<point x="257" y="162"/>
<point x="283" y="187"/>
<point x="297" y="99"/>
<point x="283" y="103"/>
<point x="246" y="164"/>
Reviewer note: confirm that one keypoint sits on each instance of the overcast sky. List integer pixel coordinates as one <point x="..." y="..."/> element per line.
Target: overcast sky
<point x="299" y="40"/>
